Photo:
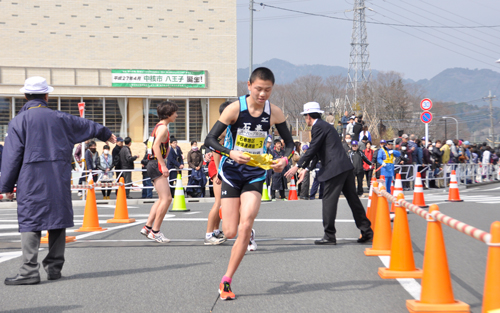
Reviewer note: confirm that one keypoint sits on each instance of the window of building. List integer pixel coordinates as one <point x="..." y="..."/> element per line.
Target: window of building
<point x="114" y="116"/>
<point x="70" y="105"/>
<point x="195" y="120"/>
<point x="5" y="114"/>
<point x="94" y="109"/>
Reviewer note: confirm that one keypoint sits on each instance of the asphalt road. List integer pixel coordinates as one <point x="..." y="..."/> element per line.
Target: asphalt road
<point x="120" y="271"/>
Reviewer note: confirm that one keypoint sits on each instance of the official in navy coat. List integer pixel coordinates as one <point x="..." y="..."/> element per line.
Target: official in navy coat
<point x="37" y="156"/>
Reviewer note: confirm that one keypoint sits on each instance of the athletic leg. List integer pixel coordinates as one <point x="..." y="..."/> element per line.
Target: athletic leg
<point x="249" y="208"/>
<point x="165" y="198"/>
<point x="212" y="238"/>
<point x="213" y="216"/>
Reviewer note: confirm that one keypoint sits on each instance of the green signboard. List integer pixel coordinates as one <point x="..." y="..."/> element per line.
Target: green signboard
<point x="158" y="78"/>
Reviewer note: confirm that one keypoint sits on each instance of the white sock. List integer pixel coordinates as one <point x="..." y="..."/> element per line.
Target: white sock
<point x="208" y="235"/>
<point x="217" y="232"/>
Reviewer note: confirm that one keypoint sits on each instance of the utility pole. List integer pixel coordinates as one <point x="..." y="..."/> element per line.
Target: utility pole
<point x="445" y="131"/>
<point x="250" y="66"/>
<point x="359" y="73"/>
<point x="492" y="129"/>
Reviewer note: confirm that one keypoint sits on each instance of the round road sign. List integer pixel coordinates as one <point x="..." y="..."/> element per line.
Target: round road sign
<point x="426" y="117"/>
<point x="426" y="104"/>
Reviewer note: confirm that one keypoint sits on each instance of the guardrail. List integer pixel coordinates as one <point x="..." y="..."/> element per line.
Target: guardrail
<point x="436" y="293"/>
<point x="467" y="173"/>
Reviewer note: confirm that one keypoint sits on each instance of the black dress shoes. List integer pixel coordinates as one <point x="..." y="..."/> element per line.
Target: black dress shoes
<point x="54" y="276"/>
<point x="324" y="241"/>
<point x="22" y="280"/>
<point x="366" y="237"/>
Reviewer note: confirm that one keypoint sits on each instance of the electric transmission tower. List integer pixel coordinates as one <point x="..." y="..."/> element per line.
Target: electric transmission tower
<point x="359" y="74"/>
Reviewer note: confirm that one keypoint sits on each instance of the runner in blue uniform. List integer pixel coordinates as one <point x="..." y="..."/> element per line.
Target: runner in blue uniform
<point x="248" y="121"/>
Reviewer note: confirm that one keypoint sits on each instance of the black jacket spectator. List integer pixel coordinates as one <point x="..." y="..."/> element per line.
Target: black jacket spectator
<point x="116" y="157"/>
<point x="357" y="158"/>
<point x="126" y="158"/>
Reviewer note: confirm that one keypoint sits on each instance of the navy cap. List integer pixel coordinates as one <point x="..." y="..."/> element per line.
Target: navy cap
<point x="119" y="139"/>
<point x="354" y="143"/>
<point x="383" y="141"/>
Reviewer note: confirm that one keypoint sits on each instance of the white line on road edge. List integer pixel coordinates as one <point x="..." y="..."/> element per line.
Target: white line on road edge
<point x="12" y="255"/>
<point x="199" y="219"/>
<point x="409" y="284"/>
<point x="201" y="239"/>
<point x="189" y="213"/>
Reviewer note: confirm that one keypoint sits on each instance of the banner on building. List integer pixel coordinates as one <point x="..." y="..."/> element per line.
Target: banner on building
<point x="158" y="78"/>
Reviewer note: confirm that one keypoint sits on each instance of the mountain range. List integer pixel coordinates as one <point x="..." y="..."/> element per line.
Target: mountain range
<point x="453" y="84"/>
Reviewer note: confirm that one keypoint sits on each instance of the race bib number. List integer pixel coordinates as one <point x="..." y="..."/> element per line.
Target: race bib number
<point x="250" y="141"/>
<point x="150" y="145"/>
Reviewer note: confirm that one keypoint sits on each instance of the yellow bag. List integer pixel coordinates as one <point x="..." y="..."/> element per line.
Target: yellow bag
<point x="260" y="160"/>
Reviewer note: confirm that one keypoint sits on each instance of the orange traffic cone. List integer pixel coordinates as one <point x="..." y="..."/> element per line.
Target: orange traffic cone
<point x="437" y="291"/>
<point x="454" y="195"/>
<point x="121" y="210"/>
<point x="292" y="193"/>
<point x="45" y="239"/>
<point x="402" y="264"/>
<point x="90" y="217"/>
<point x="418" y="193"/>
<point x="491" y="300"/>
<point x="371" y="212"/>
<point x="370" y="193"/>
<point x="382" y="235"/>
<point x="398" y="189"/>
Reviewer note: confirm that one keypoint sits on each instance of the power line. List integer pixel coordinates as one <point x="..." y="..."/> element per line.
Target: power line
<point x="462" y="17"/>
<point x="463" y="33"/>
<point x="438" y="45"/>
<point x="440" y="38"/>
<point x="377" y="23"/>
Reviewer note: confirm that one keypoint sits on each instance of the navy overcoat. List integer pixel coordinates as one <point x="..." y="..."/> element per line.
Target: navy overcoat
<point x="37" y="155"/>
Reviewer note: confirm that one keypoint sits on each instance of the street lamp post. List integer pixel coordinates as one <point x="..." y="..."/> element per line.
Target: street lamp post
<point x="445" y="117"/>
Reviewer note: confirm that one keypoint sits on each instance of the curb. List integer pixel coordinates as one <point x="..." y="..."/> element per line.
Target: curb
<point x="79" y="203"/>
<point x="482" y="184"/>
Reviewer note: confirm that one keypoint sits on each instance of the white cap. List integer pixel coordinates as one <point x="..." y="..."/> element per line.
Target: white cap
<point x="36" y="85"/>
<point x="449" y="142"/>
<point x="311" y="107"/>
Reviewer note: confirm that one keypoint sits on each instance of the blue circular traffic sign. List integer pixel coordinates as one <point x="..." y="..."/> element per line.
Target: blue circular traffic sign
<point x="426" y="117"/>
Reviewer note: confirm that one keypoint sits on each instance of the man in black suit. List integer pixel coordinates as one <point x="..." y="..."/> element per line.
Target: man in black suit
<point x="336" y="172"/>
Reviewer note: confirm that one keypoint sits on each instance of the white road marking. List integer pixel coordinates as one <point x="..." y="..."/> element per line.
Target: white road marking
<point x="201" y="219"/>
<point x="409" y="284"/>
<point x="190" y="213"/>
<point x="105" y="206"/>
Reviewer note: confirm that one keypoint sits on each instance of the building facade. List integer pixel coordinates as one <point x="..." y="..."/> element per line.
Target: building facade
<point x="122" y="58"/>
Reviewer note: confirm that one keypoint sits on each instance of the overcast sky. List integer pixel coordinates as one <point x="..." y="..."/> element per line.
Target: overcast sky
<point x="417" y="53"/>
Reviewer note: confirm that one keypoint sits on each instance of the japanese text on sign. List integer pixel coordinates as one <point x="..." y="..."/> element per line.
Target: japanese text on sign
<point x="158" y="78"/>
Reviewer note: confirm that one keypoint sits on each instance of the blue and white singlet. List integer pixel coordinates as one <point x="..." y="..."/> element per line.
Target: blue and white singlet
<point x="247" y="134"/>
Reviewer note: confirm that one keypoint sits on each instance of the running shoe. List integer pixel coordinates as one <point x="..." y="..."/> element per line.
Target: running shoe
<point x="225" y="291"/>
<point x="252" y="245"/>
<point x="145" y="231"/>
<point x="222" y="237"/>
<point x="213" y="240"/>
<point x="159" y="237"/>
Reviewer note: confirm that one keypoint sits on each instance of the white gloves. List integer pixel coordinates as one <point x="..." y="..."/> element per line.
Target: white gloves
<point x="391" y="151"/>
<point x="384" y="164"/>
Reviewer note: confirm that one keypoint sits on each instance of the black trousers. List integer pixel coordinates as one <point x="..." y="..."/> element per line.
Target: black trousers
<point x="333" y="187"/>
<point x="368" y="175"/>
<point x="359" y="180"/>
